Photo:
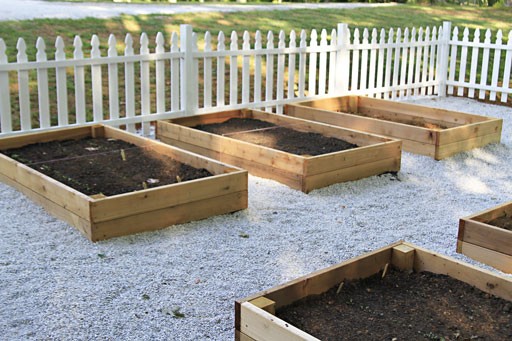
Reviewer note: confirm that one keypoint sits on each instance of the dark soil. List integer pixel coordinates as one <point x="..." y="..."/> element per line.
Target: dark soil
<point x="403" y="306"/>
<point x="95" y="165"/>
<point x="418" y="122"/>
<point x="504" y="222"/>
<point x="278" y="137"/>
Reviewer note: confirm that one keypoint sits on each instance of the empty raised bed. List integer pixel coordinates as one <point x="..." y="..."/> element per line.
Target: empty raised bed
<point x="108" y="183"/>
<point x="256" y="144"/>
<point x="437" y="133"/>
<point x="400" y="292"/>
<point x="487" y="237"/>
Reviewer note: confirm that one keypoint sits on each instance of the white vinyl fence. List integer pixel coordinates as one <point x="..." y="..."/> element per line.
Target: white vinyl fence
<point x="136" y="85"/>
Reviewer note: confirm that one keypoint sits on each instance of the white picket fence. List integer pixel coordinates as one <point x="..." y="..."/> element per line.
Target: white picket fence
<point x="179" y="78"/>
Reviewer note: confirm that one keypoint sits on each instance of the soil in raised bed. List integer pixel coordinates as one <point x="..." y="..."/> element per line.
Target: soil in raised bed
<point x="418" y="122"/>
<point x="283" y="138"/>
<point x="97" y="165"/>
<point x="504" y="222"/>
<point x="403" y="306"/>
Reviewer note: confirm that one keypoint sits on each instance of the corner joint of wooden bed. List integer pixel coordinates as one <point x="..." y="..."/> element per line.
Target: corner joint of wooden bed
<point x="265" y="304"/>
<point x="402" y="257"/>
<point x="97" y="131"/>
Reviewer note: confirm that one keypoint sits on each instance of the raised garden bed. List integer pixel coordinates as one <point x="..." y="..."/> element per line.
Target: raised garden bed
<point x="437" y="133"/>
<point x="280" y="148"/>
<point x="108" y="183"/>
<point x="487" y="237"/>
<point x="400" y="292"/>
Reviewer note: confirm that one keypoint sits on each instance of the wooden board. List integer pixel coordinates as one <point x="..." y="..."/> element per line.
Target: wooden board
<point x="484" y="242"/>
<point x="460" y="132"/>
<point x="101" y="217"/>
<point x="376" y="154"/>
<point x="255" y="323"/>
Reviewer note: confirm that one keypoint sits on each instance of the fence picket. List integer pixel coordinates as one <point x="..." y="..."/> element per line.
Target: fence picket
<point x="463" y="62"/>
<point x="485" y="64"/>
<point x="291" y="66"/>
<point x="496" y="66"/>
<point x="80" y="107"/>
<point x="474" y="62"/>
<point x="145" y="104"/>
<point x="380" y="61"/>
<point x="424" y="71"/>
<point x="433" y="53"/>
<point x="280" y="71"/>
<point x="396" y="64"/>
<point x="363" y="73"/>
<point x="302" y="64"/>
<point x="129" y="82"/>
<point x="412" y="55"/>
<point x="332" y="64"/>
<point x="418" y="63"/>
<point x="257" y="67"/>
<point x="342" y="59"/>
<point x="62" y="86"/>
<point x="42" y="85"/>
<point x="407" y="53"/>
<point x="453" y="59"/>
<point x="354" y="83"/>
<point x="23" y="85"/>
<point x="389" y="57"/>
<point x="160" y="74"/>
<point x="221" y="70"/>
<point x="373" y="61"/>
<point x="313" y="43"/>
<point x="175" y="74"/>
<point x="113" y="80"/>
<point x="233" y="70"/>
<point x="506" y="70"/>
<point x="322" y="70"/>
<point x="97" y="88"/>
<point x="269" y="78"/>
<point x="246" y="69"/>
<point x="5" y="93"/>
<point x="442" y="59"/>
<point x="207" y="73"/>
<point x="194" y="83"/>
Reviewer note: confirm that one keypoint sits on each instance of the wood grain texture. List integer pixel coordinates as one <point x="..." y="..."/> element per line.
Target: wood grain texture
<point x="460" y="132"/>
<point x="376" y="154"/>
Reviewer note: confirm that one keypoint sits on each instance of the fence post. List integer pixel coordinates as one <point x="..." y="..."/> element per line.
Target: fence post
<point x="444" y="48"/>
<point x="188" y="83"/>
<point x="342" y="60"/>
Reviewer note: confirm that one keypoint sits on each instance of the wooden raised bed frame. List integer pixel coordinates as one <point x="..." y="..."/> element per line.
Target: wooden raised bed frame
<point x="463" y="132"/>
<point x="133" y="212"/>
<point x="487" y="243"/>
<point x="254" y="315"/>
<point x="376" y="154"/>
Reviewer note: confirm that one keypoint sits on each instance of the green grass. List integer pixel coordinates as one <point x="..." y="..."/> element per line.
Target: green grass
<point x="384" y="17"/>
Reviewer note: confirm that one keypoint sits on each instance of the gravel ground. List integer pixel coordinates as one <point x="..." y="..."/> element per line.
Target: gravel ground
<point x="18" y="9"/>
<point x="54" y="284"/>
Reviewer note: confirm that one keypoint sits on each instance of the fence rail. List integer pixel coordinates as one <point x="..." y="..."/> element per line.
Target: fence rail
<point x="129" y="87"/>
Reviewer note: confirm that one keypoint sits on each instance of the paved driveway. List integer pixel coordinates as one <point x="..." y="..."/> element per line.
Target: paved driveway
<point x="31" y="9"/>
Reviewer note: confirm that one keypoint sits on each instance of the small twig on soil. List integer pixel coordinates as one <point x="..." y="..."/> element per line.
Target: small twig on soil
<point x="178" y="178"/>
<point x="385" y="270"/>
<point x="260" y="129"/>
<point x="339" y="288"/>
<point x="123" y="155"/>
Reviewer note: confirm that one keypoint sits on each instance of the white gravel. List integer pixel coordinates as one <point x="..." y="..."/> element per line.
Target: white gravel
<point x="54" y="284"/>
<point x="33" y="9"/>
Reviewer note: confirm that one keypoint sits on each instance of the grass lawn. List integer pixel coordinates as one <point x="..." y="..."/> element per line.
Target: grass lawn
<point x="383" y="17"/>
